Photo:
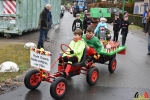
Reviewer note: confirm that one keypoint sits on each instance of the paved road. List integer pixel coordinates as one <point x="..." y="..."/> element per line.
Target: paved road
<point x="132" y="74"/>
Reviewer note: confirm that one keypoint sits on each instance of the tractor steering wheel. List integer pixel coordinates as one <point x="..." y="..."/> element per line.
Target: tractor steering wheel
<point x="61" y="46"/>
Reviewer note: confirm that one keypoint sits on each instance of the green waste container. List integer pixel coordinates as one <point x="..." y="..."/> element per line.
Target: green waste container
<point x="106" y="15"/>
<point x="99" y="12"/>
<point x="17" y="16"/>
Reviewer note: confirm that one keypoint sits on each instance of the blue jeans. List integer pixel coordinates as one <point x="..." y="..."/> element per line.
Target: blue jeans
<point x="40" y="42"/>
<point x="149" y="43"/>
<point x="45" y="35"/>
<point x="49" y="26"/>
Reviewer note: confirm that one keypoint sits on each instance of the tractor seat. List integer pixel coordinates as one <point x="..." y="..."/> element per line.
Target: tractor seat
<point x="83" y="59"/>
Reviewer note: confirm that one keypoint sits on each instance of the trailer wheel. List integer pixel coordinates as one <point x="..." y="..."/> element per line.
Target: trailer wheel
<point x="92" y="76"/>
<point x="112" y="65"/>
<point x="58" y="88"/>
<point x="31" y="79"/>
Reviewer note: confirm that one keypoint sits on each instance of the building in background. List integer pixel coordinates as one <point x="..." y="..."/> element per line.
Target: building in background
<point x="140" y="6"/>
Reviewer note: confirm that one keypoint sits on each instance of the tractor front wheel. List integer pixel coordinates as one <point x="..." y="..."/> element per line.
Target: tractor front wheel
<point x="58" y="88"/>
<point x="32" y="79"/>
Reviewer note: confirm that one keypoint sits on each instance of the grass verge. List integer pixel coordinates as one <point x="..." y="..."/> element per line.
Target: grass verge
<point x="134" y="27"/>
<point x="17" y="54"/>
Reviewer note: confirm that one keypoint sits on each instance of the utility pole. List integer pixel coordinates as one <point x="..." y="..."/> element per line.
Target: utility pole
<point x="92" y="1"/>
<point x="123" y="6"/>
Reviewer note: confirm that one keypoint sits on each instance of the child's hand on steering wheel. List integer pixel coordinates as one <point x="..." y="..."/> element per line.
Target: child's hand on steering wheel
<point x="71" y="52"/>
<point x="61" y="54"/>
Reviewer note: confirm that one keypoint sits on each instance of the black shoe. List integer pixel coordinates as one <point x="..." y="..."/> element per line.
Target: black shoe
<point x="148" y="53"/>
<point x="62" y="74"/>
<point x="47" y="40"/>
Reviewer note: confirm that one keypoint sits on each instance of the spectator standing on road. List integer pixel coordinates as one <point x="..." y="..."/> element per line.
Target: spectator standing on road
<point x="77" y="23"/>
<point x="147" y="30"/>
<point x="43" y="25"/>
<point x="50" y="22"/>
<point x="85" y="12"/>
<point x="71" y="10"/>
<point x="147" y="16"/>
<point x="124" y="26"/>
<point x="144" y="19"/>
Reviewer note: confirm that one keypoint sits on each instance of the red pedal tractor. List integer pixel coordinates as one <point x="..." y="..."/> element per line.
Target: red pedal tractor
<point x="58" y="80"/>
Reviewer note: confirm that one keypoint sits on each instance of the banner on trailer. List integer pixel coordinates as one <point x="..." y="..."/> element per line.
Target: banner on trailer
<point x="40" y="59"/>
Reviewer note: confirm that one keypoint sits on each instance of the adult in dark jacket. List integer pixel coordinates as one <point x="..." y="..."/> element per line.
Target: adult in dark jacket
<point x="124" y="26"/>
<point x="77" y="23"/>
<point x="116" y="26"/>
<point x="147" y="30"/>
<point x="43" y="25"/>
<point x="50" y="22"/>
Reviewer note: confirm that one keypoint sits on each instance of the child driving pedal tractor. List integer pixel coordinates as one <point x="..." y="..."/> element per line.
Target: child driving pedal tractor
<point x="77" y="46"/>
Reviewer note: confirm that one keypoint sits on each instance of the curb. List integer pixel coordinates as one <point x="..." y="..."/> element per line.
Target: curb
<point x="138" y="35"/>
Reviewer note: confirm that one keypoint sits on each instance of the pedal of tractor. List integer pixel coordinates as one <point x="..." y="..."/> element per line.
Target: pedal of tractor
<point x="62" y="74"/>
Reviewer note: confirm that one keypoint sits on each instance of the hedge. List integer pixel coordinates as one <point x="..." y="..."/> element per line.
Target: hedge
<point x="136" y="19"/>
<point x="129" y="8"/>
